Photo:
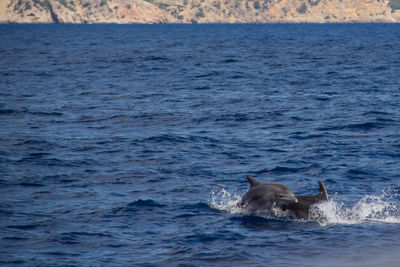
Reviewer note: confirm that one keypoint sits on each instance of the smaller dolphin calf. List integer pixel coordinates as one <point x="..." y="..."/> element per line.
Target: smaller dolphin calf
<point x="301" y="209"/>
<point x="266" y="196"/>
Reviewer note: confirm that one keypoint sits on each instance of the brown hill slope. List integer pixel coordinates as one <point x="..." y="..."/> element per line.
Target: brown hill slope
<point x="81" y="11"/>
<point x="197" y="11"/>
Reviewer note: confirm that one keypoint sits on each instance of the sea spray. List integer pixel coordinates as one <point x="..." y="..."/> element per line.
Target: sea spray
<point x="225" y="200"/>
<point x="370" y="208"/>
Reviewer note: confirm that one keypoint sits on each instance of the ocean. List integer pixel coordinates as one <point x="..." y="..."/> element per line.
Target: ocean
<point x="129" y="145"/>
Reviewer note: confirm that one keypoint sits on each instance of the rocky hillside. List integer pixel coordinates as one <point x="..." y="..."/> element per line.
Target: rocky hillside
<point x="198" y="11"/>
<point x="81" y="11"/>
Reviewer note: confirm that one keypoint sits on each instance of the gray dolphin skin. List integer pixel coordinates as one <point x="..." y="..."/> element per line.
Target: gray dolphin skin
<point x="266" y="196"/>
<point x="300" y="209"/>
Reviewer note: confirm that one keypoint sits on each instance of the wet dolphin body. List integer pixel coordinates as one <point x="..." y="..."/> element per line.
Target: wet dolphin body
<point x="300" y="209"/>
<point x="266" y="196"/>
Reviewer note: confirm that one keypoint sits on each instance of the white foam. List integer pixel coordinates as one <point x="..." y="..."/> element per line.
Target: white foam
<point x="224" y="200"/>
<point x="370" y="208"/>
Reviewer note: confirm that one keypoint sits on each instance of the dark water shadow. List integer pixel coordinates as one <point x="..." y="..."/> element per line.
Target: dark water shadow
<point x="275" y="224"/>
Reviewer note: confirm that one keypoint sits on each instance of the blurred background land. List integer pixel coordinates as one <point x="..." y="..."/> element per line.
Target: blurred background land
<point x="198" y="11"/>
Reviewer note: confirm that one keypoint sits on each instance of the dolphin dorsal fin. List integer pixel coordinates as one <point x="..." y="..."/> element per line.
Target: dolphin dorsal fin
<point x="253" y="181"/>
<point x="323" y="194"/>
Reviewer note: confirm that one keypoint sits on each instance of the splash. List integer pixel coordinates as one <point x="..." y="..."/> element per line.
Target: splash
<point x="225" y="200"/>
<point x="370" y="208"/>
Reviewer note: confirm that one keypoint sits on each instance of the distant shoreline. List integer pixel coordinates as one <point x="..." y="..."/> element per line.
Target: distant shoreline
<point x="198" y="11"/>
<point x="250" y="23"/>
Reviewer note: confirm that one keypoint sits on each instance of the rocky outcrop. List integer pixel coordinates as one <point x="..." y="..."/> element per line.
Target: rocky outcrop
<point x="198" y="11"/>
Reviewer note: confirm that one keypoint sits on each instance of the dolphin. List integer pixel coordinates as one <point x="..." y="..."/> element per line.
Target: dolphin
<point x="266" y="196"/>
<point x="301" y="208"/>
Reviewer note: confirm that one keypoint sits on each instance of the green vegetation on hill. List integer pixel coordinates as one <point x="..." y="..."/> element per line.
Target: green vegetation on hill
<point x="302" y="9"/>
<point x="69" y="5"/>
<point x="314" y="2"/>
<point x="394" y="4"/>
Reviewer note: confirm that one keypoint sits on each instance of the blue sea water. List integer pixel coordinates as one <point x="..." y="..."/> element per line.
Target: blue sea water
<point x="129" y="145"/>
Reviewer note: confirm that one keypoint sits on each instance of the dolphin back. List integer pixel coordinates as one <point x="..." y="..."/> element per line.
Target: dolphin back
<point x="253" y="181"/>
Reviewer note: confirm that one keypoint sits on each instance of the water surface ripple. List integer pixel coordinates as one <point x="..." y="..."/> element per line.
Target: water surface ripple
<point x="125" y="145"/>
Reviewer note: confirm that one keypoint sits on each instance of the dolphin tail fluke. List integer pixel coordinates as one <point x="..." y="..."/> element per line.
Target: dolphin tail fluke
<point x="253" y="181"/>
<point x="323" y="194"/>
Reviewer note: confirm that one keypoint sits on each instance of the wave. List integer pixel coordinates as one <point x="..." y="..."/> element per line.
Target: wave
<point x="284" y="169"/>
<point x="30" y="112"/>
<point x="366" y="126"/>
<point x="138" y="205"/>
<point x="370" y="208"/>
